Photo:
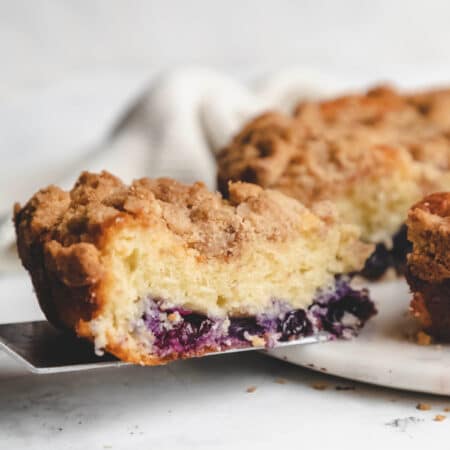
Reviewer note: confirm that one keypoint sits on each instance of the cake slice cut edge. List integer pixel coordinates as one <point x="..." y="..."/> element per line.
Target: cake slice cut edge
<point x="158" y="270"/>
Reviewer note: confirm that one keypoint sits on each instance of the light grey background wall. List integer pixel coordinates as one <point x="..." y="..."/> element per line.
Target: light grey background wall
<point x="44" y="41"/>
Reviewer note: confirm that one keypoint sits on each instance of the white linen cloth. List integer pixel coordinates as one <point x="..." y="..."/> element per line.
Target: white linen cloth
<point x="174" y="128"/>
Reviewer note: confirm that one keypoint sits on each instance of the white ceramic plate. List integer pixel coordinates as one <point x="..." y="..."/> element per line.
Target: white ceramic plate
<point x="384" y="352"/>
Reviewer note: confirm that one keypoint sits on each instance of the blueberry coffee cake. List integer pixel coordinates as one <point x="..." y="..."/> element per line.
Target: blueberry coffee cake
<point x="372" y="155"/>
<point x="428" y="266"/>
<point x="158" y="270"/>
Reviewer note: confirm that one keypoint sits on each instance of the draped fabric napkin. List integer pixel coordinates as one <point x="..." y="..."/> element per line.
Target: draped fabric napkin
<point x="175" y="127"/>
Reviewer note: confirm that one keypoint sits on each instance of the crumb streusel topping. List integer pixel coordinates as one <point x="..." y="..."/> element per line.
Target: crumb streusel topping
<point x="201" y="218"/>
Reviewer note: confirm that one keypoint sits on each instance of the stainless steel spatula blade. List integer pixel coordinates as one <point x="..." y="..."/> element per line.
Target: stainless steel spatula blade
<point x="43" y="349"/>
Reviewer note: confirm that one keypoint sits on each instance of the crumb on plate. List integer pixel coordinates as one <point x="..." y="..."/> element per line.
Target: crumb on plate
<point x="423" y="406"/>
<point x="423" y="338"/>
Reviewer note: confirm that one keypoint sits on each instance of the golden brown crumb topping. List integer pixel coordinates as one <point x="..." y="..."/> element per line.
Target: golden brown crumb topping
<point x="71" y="223"/>
<point x="328" y="146"/>
<point x="192" y="212"/>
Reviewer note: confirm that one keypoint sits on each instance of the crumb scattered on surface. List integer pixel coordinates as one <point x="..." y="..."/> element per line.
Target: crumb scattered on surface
<point x="251" y="389"/>
<point x="258" y="341"/>
<point x="323" y="369"/>
<point x="439" y="417"/>
<point x="447" y="409"/>
<point x="423" y="338"/>
<point x="280" y="381"/>
<point x="345" y="388"/>
<point x="320" y="386"/>
<point x="403" y="423"/>
<point x="423" y="406"/>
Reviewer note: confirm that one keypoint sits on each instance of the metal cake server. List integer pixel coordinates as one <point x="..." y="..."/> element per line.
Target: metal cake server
<point x="43" y="349"/>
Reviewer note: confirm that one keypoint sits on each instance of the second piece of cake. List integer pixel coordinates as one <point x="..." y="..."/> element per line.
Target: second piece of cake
<point x="373" y="155"/>
<point x="159" y="270"/>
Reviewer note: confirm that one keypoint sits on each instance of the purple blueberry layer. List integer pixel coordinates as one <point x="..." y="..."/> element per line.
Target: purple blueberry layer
<point x="383" y="257"/>
<point x="341" y="312"/>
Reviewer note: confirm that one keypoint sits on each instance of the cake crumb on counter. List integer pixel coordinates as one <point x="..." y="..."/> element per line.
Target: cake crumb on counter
<point x="320" y="386"/>
<point x="251" y="389"/>
<point x="423" y="338"/>
<point x="439" y="417"/>
<point x="423" y="406"/>
<point x="280" y="381"/>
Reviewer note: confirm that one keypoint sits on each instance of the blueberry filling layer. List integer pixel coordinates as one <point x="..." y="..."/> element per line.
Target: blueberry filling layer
<point x="383" y="257"/>
<point x="340" y="312"/>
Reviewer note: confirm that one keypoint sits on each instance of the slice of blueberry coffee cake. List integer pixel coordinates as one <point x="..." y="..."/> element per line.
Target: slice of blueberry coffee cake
<point x="372" y="155"/>
<point x="428" y="269"/>
<point x="159" y="270"/>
